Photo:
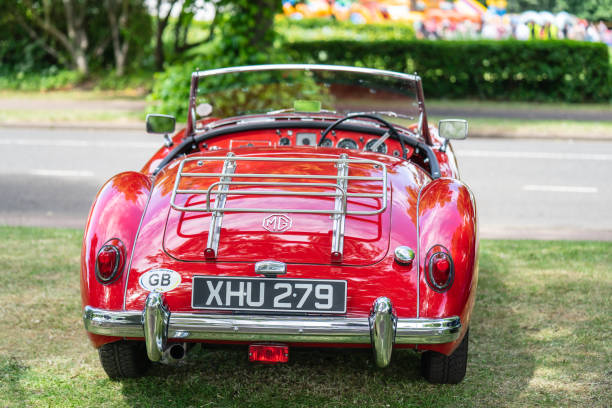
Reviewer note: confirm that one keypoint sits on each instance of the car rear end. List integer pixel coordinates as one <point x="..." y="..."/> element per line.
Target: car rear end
<point x="277" y="250"/>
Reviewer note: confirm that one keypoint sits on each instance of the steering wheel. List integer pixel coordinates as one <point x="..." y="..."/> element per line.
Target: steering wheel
<point x="388" y="125"/>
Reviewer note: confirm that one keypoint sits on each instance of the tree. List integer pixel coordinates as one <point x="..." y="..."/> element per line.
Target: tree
<point x="247" y="31"/>
<point x="518" y="6"/>
<point x="592" y="10"/>
<point x="245" y="36"/>
<point x="161" y="22"/>
<point x="69" y="35"/>
<point x="184" y="21"/>
<point x="129" y="24"/>
<point x="18" y="52"/>
<point x="77" y="33"/>
<point x="118" y="12"/>
<point x="187" y="9"/>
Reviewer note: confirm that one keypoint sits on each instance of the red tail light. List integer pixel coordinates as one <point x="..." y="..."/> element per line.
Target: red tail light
<point x="440" y="269"/>
<point x="109" y="261"/>
<point x="269" y="353"/>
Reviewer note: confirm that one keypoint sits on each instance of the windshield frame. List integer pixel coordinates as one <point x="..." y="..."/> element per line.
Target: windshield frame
<point x="415" y="80"/>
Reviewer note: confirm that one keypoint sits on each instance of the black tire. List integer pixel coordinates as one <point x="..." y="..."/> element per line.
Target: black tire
<point x="440" y="369"/>
<point x="124" y="359"/>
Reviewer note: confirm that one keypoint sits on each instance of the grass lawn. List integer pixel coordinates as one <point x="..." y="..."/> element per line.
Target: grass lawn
<point x="483" y="126"/>
<point x="531" y="128"/>
<point x="73" y="117"/>
<point x="540" y="336"/>
<point x="508" y="105"/>
<point x="72" y="107"/>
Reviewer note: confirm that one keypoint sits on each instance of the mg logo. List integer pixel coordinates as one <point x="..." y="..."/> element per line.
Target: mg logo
<point x="277" y="223"/>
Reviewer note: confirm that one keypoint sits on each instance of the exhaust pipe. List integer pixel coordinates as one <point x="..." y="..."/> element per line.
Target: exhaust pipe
<point x="175" y="353"/>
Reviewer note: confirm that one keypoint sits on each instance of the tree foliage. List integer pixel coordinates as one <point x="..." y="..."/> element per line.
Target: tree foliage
<point x="246" y="36"/>
<point x="18" y="51"/>
<point x="518" y="6"/>
<point x="592" y="10"/>
<point x="75" y="34"/>
<point x="79" y="34"/>
<point x="186" y="10"/>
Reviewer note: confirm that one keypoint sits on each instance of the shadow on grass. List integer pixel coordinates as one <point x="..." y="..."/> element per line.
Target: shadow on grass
<point x="11" y="372"/>
<point x="499" y="369"/>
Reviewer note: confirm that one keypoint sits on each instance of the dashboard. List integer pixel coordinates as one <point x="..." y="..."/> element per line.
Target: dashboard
<point x="339" y="139"/>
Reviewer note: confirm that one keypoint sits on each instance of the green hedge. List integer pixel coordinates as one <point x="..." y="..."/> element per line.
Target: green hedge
<point x="328" y="29"/>
<point x="566" y="71"/>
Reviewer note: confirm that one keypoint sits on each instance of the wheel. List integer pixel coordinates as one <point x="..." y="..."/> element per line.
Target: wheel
<point x="440" y="369"/>
<point x="124" y="359"/>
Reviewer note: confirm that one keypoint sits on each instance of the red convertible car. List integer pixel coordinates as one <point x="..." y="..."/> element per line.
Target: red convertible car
<point x="302" y="206"/>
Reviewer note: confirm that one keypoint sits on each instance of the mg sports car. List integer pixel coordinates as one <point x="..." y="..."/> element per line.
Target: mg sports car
<point x="302" y="206"/>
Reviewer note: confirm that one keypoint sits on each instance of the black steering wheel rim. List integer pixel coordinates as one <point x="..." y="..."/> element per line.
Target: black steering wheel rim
<point x="377" y="118"/>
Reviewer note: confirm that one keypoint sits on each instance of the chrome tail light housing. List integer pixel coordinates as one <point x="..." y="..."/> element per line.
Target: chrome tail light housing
<point x="439" y="268"/>
<point x="110" y="261"/>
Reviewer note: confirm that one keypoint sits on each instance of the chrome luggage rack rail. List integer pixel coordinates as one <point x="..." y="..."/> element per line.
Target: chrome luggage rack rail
<point x="339" y="183"/>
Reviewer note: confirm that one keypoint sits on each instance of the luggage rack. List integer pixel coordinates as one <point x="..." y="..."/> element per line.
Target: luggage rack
<point x="339" y="183"/>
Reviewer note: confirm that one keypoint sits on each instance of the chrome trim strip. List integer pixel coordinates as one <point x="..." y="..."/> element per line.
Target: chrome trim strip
<point x="418" y="254"/>
<point x="214" y="232"/>
<point x="341" y="68"/>
<point x="144" y="211"/>
<point x="382" y="329"/>
<point x="297" y="329"/>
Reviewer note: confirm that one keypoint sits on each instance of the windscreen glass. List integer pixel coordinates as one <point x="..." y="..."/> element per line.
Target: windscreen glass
<point x="306" y="91"/>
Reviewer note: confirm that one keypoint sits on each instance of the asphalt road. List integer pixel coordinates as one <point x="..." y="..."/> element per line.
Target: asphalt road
<point x="524" y="188"/>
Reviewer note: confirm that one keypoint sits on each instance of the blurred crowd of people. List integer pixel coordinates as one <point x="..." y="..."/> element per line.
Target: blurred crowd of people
<point x="525" y="26"/>
<point x="457" y="19"/>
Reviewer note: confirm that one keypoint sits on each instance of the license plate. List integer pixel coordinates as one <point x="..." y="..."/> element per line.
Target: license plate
<point x="268" y="294"/>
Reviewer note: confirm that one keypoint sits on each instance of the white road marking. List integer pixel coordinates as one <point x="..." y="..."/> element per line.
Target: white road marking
<point x="61" y="173"/>
<point x="79" y="143"/>
<point x="560" y="189"/>
<point x="534" y="155"/>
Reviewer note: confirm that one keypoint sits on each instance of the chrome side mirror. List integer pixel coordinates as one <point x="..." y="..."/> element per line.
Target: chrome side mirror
<point x="448" y="129"/>
<point x="453" y="128"/>
<point x="161" y="124"/>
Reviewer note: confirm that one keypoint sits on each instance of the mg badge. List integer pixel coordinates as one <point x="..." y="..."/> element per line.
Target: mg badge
<point x="277" y="223"/>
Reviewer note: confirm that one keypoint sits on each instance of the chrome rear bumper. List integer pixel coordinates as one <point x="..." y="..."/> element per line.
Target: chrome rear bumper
<point x="381" y="330"/>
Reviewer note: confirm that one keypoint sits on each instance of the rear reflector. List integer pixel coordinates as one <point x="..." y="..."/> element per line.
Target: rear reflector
<point x="269" y="353"/>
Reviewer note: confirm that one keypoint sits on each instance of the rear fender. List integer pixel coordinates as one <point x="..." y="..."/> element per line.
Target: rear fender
<point x="115" y="214"/>
<point x="447" y="217"/>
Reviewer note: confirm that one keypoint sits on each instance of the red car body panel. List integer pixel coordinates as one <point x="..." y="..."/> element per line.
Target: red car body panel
<point x="115" y="213"/>
<point x="447" y="216"/>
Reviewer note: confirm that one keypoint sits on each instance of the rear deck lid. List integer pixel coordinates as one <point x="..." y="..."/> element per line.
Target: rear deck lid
<point x="291" y="207"/>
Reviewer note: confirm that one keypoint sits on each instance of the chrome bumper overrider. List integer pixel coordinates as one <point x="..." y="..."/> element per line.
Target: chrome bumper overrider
<point x="382" y="329"/>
